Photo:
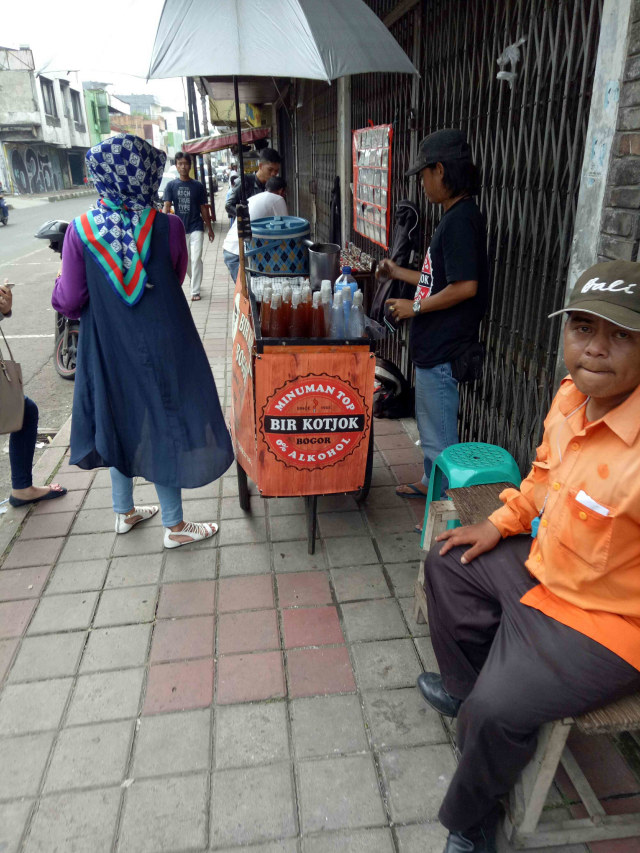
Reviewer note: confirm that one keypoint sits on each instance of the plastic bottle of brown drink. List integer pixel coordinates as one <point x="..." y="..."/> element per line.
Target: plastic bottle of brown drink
<point x="277" y="329"/>
<point x="297" y="324"/>
<point x="305" y="304"/>
<point x="286" y="309"/>
<point x="265" y="312"/>
<point x="317" y="317"/>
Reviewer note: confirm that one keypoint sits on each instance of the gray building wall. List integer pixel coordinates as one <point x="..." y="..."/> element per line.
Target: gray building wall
<point x="620" y="224"/>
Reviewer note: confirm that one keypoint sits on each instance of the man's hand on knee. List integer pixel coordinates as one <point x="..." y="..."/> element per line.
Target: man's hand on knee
<point x="483" y="537"/>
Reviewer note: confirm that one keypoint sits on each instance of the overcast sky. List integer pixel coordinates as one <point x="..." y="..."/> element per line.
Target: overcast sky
<point x="101" y="41"/>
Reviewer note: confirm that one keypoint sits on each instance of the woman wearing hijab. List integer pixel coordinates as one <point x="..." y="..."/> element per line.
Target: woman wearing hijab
<point x="145" y="401"/>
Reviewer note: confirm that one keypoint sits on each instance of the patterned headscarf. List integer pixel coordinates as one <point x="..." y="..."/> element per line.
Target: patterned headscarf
<point x="126" y="172"/>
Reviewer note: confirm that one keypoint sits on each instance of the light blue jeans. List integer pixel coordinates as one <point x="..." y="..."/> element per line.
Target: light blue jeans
<point x="169" y="497"/>
<point x="233" y="264"/>
<point x="437" y="402"/>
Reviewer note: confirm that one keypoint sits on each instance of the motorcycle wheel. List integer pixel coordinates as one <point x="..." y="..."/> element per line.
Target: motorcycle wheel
<point x="66" y="364"/>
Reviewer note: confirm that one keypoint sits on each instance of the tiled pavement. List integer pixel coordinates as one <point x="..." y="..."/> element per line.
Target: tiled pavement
<point x="237" y="694"/>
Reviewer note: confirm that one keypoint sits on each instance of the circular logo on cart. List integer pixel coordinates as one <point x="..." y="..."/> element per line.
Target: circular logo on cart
<point x="314" y="421"/>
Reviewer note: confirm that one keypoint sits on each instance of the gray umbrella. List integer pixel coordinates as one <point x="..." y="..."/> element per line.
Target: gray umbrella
<point x="313" y="39"/>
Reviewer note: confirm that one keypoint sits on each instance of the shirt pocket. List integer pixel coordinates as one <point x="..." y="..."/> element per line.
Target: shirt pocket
<point x="586" y="533"/>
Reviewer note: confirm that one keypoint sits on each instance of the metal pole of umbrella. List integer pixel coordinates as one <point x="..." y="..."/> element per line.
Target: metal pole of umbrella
<point x="242" y="209"/>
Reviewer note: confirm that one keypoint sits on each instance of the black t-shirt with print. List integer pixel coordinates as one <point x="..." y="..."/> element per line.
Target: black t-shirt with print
<point x="187" y="196"/>
<point x="457" y="252"/>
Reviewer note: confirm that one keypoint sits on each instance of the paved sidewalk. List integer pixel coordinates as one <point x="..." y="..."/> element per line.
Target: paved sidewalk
<point x="236" y="694"/>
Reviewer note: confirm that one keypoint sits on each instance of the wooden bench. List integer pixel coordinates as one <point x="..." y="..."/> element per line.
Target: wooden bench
<point x="524" y="806"/>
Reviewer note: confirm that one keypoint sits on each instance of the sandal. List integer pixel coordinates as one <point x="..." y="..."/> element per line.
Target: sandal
<point x="196" y="298"/>
<point x="140" y="513"/>
<point x="55" y="491"/>
<point x="413" y="491"/>
<point x="195" y="532"/>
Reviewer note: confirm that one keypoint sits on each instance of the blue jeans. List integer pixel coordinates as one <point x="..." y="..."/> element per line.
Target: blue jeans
<point x="436" y="413"/>
<point x="22" y="445"/>
<point x="169" y="497"/>
<point x="233" y="264"/>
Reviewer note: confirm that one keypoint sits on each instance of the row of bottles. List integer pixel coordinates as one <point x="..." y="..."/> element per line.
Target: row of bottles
<point x="296" y="313"/>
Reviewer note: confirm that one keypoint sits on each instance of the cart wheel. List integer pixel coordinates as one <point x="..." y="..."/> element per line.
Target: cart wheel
<point x="243" y="488"/>
<point x="361" y="495"/>
<point x="312" y="523"/>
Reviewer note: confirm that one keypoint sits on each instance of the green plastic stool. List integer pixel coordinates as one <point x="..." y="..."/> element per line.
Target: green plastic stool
<point x="471" y="463"/>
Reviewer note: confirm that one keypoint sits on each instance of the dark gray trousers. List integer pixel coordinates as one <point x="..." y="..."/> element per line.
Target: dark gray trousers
<point x="514" y="667"/>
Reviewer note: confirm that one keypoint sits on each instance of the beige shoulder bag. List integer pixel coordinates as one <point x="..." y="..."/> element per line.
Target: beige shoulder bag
<point x="11" y="392"/>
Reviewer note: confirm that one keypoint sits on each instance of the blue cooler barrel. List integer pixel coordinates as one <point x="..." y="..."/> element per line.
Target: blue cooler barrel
<point x="276" y="246"/>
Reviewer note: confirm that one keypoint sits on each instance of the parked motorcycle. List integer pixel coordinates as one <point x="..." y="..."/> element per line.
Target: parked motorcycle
<point x="66" y="331"/>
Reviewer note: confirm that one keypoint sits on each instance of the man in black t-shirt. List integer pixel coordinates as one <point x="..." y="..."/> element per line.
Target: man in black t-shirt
<point x="268" y="167"/>
<point x="451" y="293"/>
<point x="189" y="200"/>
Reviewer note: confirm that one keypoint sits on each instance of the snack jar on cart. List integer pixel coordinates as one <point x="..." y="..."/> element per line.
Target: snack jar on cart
<point x="301" y="408"/>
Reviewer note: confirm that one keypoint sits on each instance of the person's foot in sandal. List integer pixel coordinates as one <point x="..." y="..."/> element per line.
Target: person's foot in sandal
<point x="196" y="298"/>
<point x="126" y="520"/>
<point x="35" y="494"/>
<point x="187" y="532"/>
<point x="412" y="490"/>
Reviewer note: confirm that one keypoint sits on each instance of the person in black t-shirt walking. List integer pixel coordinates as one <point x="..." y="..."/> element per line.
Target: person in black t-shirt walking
<point x="451" y="293"/>
<point x="189" y="200"/>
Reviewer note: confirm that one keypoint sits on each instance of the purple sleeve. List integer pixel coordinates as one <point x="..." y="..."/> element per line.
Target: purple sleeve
<point x="70" y="291"/>
<point x="178" y="246"/>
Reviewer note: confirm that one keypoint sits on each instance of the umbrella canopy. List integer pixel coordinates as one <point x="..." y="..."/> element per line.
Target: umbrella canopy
<point x="313" y="39"/>
<point x="205" y="144"/>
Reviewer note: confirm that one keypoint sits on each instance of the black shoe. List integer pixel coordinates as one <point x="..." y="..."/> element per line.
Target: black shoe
<point x="480" y="838"/>
<point x="470" y="841"/>
<point x="430" y="685"/>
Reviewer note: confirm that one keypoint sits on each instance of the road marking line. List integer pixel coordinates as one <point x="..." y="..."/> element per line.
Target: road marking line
<point x="21" y="337"/>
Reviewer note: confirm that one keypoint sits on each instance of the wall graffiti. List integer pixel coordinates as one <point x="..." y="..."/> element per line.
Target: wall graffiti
<point x="34" y="171"/>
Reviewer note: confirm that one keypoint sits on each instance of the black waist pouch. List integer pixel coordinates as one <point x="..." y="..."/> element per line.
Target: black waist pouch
<point x="468" y="366"/>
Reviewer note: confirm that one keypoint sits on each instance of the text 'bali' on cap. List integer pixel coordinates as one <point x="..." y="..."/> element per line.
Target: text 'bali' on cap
<point x="610" y="290"/>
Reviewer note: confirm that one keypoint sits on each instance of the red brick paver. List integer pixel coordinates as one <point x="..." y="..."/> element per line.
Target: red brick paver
<point x="311" y="626"/>
<point x="319" y="671"/>
<point x="250" y="631"/>
<point x="245" y="593"/>
<point x="249" y="678"/>
<point x="23" y="583"/>
<point x="179" y="639"/>
<point x="303" y="588"/>
<point x="14" y="617"/>
<point x="179" y="686"/>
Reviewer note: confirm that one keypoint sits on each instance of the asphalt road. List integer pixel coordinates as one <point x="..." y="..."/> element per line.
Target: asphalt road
<point x="32" y="266"/>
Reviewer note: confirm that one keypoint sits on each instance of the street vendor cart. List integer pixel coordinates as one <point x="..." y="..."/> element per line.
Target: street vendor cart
<point x="301" y="413"/>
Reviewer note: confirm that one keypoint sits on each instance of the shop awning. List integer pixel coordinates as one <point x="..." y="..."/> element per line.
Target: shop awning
<point x="205" y="144"/>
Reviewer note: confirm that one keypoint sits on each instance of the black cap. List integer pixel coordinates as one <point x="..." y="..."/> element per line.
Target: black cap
<point x="439" y="147"/>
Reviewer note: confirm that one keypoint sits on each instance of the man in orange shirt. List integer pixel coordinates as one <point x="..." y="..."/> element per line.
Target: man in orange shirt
<point x="525" y="630"/>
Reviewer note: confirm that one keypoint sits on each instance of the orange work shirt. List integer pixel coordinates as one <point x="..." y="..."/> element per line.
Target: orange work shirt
<point x="585" y="486"/>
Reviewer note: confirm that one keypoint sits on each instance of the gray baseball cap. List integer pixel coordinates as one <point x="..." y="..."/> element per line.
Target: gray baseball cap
<point x="610" y="290"/>
<point x="439" y="147"/>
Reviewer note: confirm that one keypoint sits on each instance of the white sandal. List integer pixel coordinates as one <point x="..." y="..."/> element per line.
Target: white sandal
<point x="195" y="531"/>
<point x="143" y="513"/>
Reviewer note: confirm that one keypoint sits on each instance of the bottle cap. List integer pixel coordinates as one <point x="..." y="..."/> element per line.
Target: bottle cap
<point x="276" y="300"/>
<point x="267" y="293"/>
<point x="316" y="299"/>
<point x="325" y="283"/>
<point x="337" y="297"/>
<point x="286" y="293"/>
<point x="295" y="298"/>
<point x="346" y="270"/>
<point x="358" y="297"/>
